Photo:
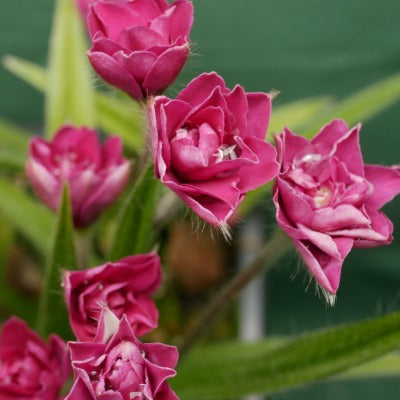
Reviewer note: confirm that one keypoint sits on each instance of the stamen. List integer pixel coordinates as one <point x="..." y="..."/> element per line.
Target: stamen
<point x="225" y="153"/>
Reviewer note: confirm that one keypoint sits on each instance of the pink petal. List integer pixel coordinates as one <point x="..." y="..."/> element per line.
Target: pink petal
<point x="137" y="63"/>
<point x="386" y="181"/>
<point x="181" y="19"/>
<point x="258" y="114"/>
<point x="289" y="145"/>
<point x="331" y="133"/>
<point x="200" y="88"/>
<point x="139" y="38"/>
<point x="237" y="104"/>
<point x="116" y="17"/>
<point x="165" y="69"/>
<point x="265" y="169"/>
<point x="345" y="215"/>
<point x="112" y="72"/>
<point x="349" y="152"/>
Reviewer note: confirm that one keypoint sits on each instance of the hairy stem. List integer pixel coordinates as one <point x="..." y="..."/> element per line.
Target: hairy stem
<point x="267" y="257"/>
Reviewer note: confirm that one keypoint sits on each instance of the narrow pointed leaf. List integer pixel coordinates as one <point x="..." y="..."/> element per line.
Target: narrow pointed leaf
<point x="114" y="115"/>
<point x="29" y="217"/>
<point x="53" y="315"/>
<point x="133" y="233"/>
<point x="28" y="71"/>
<point x="14" y="145"/>
<point x="360" y="106"/>
<point x="296" y="114"/>
<point x="307" y="359"/>
<point x="69" y="96"/>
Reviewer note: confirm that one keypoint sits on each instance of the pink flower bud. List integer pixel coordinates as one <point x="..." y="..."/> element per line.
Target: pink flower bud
<point x="96" y="174"/>
<point x="124" y="287"/>
<point x="209" y="145"/>
<point x="121" y="368"/>
<point x="328" y="201"/>
<point x="139" y="46"/>
<point x="30" y="368"/>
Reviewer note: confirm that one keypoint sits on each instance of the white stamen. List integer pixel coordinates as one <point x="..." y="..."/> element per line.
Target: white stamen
<point x="181" y="133"/>
<point x="225" y="153"/>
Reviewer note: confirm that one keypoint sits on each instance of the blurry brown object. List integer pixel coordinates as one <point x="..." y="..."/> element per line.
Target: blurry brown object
<point x="197" y="260"/>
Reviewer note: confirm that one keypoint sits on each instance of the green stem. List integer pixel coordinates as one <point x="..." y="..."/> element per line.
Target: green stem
<point x="267" y="257"/>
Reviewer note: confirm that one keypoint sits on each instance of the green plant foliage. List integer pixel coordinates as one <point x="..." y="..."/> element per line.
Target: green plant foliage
<point x="114" y="115"/>
<point x="14" y="145"/>
<point x="133" y="233"/>
<point x="10" y="299"/>
<point x="69" y="96"/>
<point x="360" y="106"/>
<point x="306" y="359"/>
<point x="52" y="314"/>
<point x="296" y="114"/>
<point x="30" y="218"/>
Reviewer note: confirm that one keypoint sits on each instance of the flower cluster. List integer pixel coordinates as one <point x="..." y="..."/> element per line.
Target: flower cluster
<point x="208" y="147"/>
<point x="109" y="307"/>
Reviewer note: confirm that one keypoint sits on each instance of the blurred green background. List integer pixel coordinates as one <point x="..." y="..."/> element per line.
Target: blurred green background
<point x="302" y="48"/>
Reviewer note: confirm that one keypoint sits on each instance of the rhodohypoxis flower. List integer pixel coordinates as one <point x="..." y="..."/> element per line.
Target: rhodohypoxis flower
<point x="29" y="367"/>
<point x="328" y="201"/>
<point x="124" y="286"/>
<point x="96" y="174"/>
<point x="117" y="366"/>
<point x="139" y="46"/>
<point x="209" y="145"/>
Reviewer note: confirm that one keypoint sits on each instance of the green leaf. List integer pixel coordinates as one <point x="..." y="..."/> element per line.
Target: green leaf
<point x="53" y="315"/>
<point x="28" y="71"/>
<point x="30" y="218"/>
<point x="122" y="118"/>
<point x="296" y="114"/>
<point x="307" y="359"/>
<point x="11" y="300"/>
<point x="360" y="106"/>
<point x="14" y="146"/>
<point x="134" y="228"/>
<point x="114" y="115"/>
<point x="69" y="96"/>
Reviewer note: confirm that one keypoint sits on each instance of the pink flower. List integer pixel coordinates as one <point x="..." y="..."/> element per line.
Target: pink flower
<point x="96" y="174"/>
<point x="30" y="368"/>
<point x="84" y="5"/>
<point x="124" y="287"/>
<point x="122" y="368"/>
<point x="140" y="46"/>
<point x="328" y="201"/>
<point x="209" y="146"/>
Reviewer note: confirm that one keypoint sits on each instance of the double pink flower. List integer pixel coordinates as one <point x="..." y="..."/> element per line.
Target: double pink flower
<point x="328" y="201"/>
<point x="125" y="287"/>
<point x="209" y="145"/>
<point x="117" y="366"/>
<point x="96" y="174"/>
<point x="139" y="46"/>
<point x="29" y="367"/>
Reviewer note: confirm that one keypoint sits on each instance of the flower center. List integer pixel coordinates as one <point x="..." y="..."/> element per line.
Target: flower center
<point x="65" y="163"/>
<point x="322" y="197"/>
<point x="225" y="152"/>
<point x="307" y="159"/>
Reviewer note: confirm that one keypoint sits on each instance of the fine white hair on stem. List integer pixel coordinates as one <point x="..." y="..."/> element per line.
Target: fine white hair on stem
<point x="225" y="229"/>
